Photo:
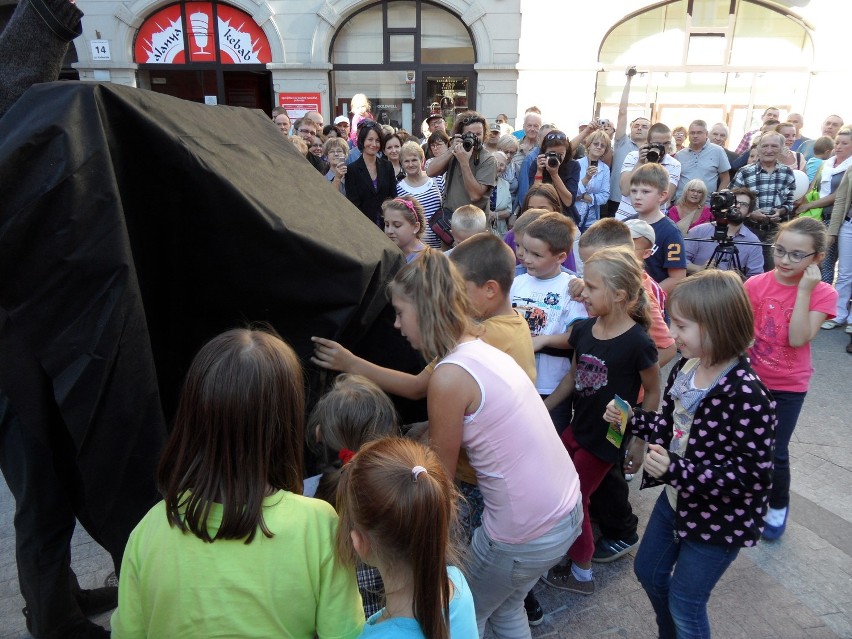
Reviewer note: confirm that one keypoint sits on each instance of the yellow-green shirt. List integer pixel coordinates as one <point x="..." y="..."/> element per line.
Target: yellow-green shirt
<point x="174" y="585"/>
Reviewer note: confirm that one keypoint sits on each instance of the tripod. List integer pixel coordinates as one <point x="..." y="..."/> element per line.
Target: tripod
<point x="726" y="251"/>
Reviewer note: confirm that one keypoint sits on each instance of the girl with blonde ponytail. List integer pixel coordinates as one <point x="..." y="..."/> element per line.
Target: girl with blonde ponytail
<point x="397" y="508"/>
<point x="613" y="356"/>
<point x="480" y="399"/>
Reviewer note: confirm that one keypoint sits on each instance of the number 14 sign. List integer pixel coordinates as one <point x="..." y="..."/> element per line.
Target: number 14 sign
<point x="100" y="49"/>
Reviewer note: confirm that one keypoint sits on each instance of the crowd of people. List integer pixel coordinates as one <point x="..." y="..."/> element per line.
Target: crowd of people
<point x="548" y="280"/>
<point x="590" y="261"/>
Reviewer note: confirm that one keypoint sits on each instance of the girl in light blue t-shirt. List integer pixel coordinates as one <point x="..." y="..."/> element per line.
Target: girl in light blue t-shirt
<point x="397" y="506"/>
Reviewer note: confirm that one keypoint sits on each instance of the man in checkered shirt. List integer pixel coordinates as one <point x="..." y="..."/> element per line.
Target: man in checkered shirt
<point x="774" y="184"/>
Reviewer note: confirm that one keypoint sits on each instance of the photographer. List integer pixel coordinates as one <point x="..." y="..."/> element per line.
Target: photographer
<point x="698" y="254"/>
<point x="554" y="165"/>
<point x="656" y="151"/>
<point x="470" y="168"/>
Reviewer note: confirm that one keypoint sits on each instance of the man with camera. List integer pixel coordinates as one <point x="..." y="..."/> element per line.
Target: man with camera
<point x="774" y="184"/>
<point x="656" y="151"/>
<point x="471" y="170"/>
<point x="700" y="245"/>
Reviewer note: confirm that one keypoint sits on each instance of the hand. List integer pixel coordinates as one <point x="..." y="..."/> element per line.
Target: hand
<point x="643" y="155"/>
<point x="492" y="216"/>
<point x="775" y="214"/>
<point x="590" y="173"/>
<point x="575" y="288"/>
<point x="657" y="461"/>
<point x="540" y="163"/>
<point x="810" y="278"/>
<point x="330" y="355"/>
<point x="803" y="207"/>
<point x="340" y="169"/>
<point x="613" y="414"/>
<point x="458" y="151"/>
<point x="635" y="453"/>
<point x="831" y="240"/>
<point x="758" y="215"/>
<point x="631" y="71"/>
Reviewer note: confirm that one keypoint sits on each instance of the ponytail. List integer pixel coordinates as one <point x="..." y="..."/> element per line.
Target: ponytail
<point x="396" y="493"/>
<point x="436" y="289"/>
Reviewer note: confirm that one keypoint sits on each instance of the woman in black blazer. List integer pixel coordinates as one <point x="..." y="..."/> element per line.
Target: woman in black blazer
<point x="370" y="179"/>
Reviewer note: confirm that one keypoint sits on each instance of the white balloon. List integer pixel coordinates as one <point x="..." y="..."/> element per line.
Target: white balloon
<point x="802" y="184"/>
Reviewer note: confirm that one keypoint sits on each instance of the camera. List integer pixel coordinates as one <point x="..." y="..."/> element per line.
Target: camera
<point x="656" y="152"/>
<point x="552" y="159"/>
<point x="604" y="123"/>
<point x="721" y="202"/>
<point x="470" y="141"/>
<point x="723" y="206"/>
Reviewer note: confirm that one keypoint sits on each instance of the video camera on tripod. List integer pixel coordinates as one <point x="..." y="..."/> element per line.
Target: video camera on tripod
<point x="723" y="206"/>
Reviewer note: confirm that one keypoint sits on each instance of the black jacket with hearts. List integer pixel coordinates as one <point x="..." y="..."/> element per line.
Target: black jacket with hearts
<point x="723" y="481"/>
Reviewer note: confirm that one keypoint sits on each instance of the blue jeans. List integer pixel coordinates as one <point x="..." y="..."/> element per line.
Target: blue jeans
<point x="500" y="574"/>
<point x="788" y="405"/>
<point x="679" y="598"/>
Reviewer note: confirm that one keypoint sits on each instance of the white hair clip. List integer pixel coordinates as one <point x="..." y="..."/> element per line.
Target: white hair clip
<point x="416" y="471"/>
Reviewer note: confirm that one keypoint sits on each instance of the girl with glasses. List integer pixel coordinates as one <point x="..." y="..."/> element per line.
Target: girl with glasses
<point x="790" y="303"/>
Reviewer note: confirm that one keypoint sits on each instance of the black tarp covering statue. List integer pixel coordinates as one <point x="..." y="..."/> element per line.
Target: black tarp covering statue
<point x="133" y="228"/>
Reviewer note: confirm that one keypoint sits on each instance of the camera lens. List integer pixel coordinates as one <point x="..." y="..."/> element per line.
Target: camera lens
<point x="653" y="155"/>
<point x="552" y="162"/>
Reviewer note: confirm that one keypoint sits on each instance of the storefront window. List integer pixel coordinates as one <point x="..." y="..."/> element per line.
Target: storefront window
<point x="445" y="39"/>
<point x="728" y="44"/>
<point x="359" y="41"/>
<point x="422" y="63"/>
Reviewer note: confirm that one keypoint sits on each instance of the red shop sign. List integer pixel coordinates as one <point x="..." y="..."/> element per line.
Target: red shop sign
<point x="234" y="35"/>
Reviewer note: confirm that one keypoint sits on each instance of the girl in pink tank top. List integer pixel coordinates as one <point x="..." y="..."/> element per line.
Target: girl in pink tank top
<point x="480" y="399"/>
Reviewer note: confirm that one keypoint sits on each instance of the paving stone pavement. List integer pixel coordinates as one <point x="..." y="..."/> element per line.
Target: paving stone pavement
<point x="797" y="588"/>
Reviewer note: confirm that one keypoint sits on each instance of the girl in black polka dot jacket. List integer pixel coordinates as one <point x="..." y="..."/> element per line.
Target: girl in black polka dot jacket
<point x="711" y="446"/>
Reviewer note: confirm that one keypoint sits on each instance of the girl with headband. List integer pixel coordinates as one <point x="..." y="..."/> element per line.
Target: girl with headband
<point x="405" y="223"/>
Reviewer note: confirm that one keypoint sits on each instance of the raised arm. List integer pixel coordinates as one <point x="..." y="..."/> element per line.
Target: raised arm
<point x="621" y="123"/>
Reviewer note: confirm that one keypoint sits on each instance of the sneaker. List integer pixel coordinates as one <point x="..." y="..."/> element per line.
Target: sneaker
<point x="773" y="533"/>
<point x="830" y="324"/>
<point x="848" y="329"/>
<point x="607" y="550"/>
<point x="535" y="614"/>
<point x="564" y="579"/>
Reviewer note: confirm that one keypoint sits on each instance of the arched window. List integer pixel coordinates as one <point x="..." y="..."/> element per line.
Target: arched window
<point x="409" y="57"/>
<point x="725" y="61"/>
<point x="205" y="52"/>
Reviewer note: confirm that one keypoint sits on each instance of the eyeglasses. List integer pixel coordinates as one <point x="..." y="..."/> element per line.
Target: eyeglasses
<point x="333" y="152"/>
<point x="315" y="146"/>
<point x="695" y="191"/>
<point x="306" y="131"/>
<point x="743" y="205"/>
<point x="794" y="256"/>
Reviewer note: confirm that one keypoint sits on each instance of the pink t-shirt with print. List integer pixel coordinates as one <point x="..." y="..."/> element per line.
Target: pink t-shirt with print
<point x="781" y="366"/>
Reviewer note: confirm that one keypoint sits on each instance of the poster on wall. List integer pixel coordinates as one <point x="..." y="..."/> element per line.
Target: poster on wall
<point x="233" y="35"/>
<point x="297" y="104"/>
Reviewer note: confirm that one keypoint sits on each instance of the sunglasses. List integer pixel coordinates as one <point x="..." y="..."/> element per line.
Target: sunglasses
<point x="472" y="120"/>
<point x="551" y="137"/>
